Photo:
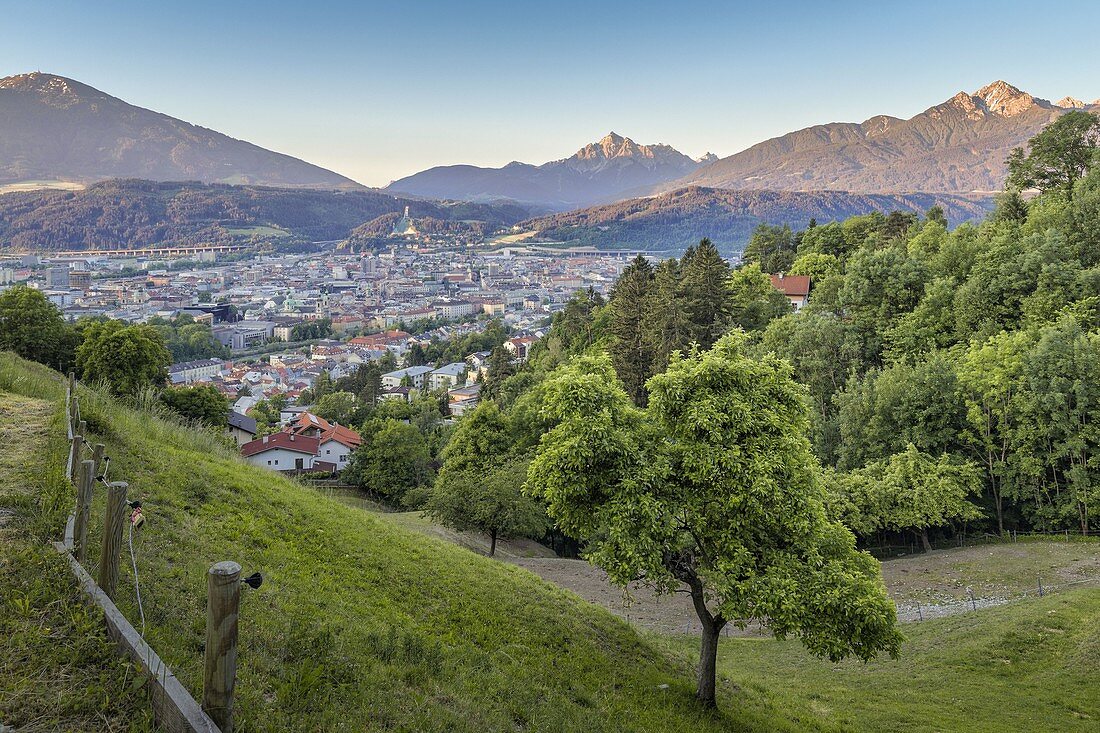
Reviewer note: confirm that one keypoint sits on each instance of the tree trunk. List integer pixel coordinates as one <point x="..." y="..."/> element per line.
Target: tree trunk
<point x="708" y="659"/>
<point x="492" y="543"/>
<point x="924" y="539"/>
<point x="708" y="648"/>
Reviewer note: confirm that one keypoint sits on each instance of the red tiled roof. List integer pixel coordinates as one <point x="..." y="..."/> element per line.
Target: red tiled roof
<point x="343" y="436"/>
<point x="285" y="441"/>
<point x="793" y="286"/>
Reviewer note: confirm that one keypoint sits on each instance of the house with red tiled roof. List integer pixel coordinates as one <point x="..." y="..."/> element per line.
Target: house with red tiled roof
<point x="308" y="443"/>
<point x="795" y="287"/>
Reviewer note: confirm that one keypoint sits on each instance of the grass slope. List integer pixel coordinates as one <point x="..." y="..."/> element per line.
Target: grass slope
<point x="364" y="625"/>
<point x="1029" y="666"/>
<point x="58" y="672"/>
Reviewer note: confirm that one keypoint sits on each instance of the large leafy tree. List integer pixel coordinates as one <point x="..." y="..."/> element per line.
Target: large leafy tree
<point x="33" y="327"/>
<point x="393" y="461"/>
<point x="712" y="491"/>
<point x="990" y="374"/>
<point x="201" y="402"/>
<point x="754" y="301"/>
<point x="489" y="500"/>
<point x="127" y="358"/>
<point x="479" y="485"/>
<point x="1058" y="156"/>
<point x="911" y="490"/>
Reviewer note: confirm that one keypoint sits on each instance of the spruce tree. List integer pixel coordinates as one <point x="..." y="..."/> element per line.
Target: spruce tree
<point x="631" y="350"/>
<point x="666" y="326"/>
<point x="706" y="293"/>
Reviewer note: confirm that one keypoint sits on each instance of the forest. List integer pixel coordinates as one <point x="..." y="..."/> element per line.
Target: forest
<point x="137" y="213"/>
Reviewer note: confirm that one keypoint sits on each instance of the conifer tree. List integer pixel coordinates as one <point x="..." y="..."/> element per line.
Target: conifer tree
<point x="706" y="293"/>
<point x="631" y="350"/>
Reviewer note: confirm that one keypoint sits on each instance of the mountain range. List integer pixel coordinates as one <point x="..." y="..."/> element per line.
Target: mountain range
<point x="675" y="220"/>
<point x="957" y="146"/>
<point x="608" y="170"/>
<point x="57" y="129"/>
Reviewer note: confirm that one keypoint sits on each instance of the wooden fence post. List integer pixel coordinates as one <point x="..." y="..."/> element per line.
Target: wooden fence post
<point x="97" y="459"/>
<point x="74" y="455"/>
<point x="223" y="596"/>
<point x="114" y="519"/>
<point x="83" y="509"/>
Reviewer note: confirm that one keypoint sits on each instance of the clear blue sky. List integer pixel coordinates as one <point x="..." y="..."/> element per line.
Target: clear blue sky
<point x="380" y="90"/>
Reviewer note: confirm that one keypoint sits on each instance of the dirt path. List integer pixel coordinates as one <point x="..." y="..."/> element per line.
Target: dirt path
<point x="937" y="581"/>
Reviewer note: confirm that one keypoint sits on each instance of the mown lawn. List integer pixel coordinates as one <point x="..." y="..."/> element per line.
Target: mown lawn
<point x="1027" y="666"/>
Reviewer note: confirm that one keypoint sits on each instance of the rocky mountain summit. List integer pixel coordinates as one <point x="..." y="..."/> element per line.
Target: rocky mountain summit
<point x="957" y="146"/>
<point x="609" y="169"/>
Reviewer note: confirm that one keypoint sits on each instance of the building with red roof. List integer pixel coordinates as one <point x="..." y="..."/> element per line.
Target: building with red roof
<point x="795" y="287"/>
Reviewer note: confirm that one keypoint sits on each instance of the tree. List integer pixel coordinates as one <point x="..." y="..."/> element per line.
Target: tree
<point x="935" y="213"/>
<point x="706" y="294"/>
<point x="393" y="460"/>
<point x="990" y="374"/>
<point x="341" y="407"/>
<point x="711" y="490"/>
<point x="631" y="350"/>
<point x="913" y="491"/>
<point x="201" y="402"/>
<point x="500" y="367"/>
<point x="32" y="327"/>
<point x="127" y="358"/>
<point x="488" y="500"/>
<point x="668" y="329"/>
<point x="1058" y="156"/>
<point x="817" y="265"/>
<point x="771" y="247"/>
<point x="754" y="301"/>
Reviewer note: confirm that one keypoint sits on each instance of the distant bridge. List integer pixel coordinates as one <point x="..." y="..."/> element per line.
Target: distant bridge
<point x="173" y="251"/>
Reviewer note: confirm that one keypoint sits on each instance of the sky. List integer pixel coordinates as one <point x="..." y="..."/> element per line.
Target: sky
<point x="377" y="91"/>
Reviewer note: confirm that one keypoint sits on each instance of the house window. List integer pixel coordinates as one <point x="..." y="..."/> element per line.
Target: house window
<point x="269" y="463"/>
<point x="276" y="461"/>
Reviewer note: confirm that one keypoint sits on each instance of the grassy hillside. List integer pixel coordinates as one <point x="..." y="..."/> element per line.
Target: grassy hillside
<point x="1028" y="666"/>
<point x="364" y="624"/>
<point x="58" y="672"/>
<point x="361" y="624"/>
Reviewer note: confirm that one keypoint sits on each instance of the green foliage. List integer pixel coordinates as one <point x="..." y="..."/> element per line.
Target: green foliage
<point x="712" y="487"/>
<point x="817" y="265"/>
<point x="631" y="348"/>
<point x="202" y="403"/>
<point x="341" y="407"/>
<point x="754" y="302"/>
<point x="1058" y="156"/>
<point x="318" y="329"/>
<point x="127" y="358"/>
<point x="188" y="340"/>
<point x="772" y="248"/>
<point x="910" y="490"/>
<point x="32" y="326"/>
<point x="488" y="499"/>
<point x="393" y="460"/>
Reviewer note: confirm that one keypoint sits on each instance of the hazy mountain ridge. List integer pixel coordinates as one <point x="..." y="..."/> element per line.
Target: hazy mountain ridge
<point x="957" y="146"/>
<point x="602" y="171"/>
<point x="135" y="213"/>
<point x="679" y="218"/>
<point x="54" y="128"/>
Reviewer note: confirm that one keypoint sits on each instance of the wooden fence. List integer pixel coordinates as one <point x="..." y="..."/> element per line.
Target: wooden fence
<point x="174" y="709"/>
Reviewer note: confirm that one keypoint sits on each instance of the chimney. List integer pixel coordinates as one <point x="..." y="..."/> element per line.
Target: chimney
<point x="292" y="437"/>
<point x="265" y="439"/>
